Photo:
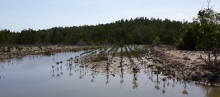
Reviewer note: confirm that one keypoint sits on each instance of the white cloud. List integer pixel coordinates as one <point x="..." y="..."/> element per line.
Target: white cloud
<point x="180" y="17"/>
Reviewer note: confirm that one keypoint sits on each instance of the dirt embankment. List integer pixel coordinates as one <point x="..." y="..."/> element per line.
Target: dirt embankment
<point x="184" y="64"/>
<point x="170" y="54"/>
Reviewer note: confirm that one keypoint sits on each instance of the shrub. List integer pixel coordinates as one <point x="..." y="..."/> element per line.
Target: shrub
<point x="156" y="41"/>
<point x="180" y="43"/>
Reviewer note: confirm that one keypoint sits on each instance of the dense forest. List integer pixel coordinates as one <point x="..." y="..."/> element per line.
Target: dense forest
<point x="134" y="31"/>
<point x="202" y="33"/>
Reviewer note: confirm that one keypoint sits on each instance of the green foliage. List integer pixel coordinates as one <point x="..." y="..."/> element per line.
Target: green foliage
<point x="120" y="43"/>
<point x="156" y="41"/>
<point x="180" y="43"/>
<point x="140" y="30"/>
<point x="203" y="33"/>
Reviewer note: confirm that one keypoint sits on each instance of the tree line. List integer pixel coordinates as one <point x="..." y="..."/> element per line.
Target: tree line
<point x="134" y="31"/>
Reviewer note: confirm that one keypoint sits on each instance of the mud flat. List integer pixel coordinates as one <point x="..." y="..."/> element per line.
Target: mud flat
<point x="186" y="65"/>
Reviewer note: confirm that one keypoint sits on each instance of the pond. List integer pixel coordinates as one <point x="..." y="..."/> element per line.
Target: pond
<point x="33" y="76"/>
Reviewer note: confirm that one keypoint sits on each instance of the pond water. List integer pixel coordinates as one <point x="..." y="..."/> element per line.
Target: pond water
<point x="33" y="76"/>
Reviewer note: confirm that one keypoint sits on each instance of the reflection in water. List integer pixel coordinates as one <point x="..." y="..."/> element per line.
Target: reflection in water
<point x="1" y="77"/>
<point x="184" y="85"/>
<point x="135" y="84"/>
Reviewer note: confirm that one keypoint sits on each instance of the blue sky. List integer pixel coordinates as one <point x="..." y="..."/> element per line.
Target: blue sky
<point x="17" y="15"/>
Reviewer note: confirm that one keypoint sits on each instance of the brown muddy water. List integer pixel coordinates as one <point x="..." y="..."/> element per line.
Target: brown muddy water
<point x="33" y="76"/>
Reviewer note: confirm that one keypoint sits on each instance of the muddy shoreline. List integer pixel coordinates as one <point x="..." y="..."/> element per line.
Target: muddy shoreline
<point x="183" y="64"/>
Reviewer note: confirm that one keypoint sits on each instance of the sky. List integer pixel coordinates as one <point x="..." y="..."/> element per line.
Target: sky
<point x="17" y="15"/>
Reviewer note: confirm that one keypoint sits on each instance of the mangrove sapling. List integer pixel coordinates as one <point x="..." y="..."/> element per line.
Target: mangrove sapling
<point x="164" y="85"/>
<point x="57" y="64"/>
<point x="122" y="75"/>
<point x="115" y="51"/>
<point x="52" y="74"/>
<point x="61" y="72"/>
<point x="185" y="79"/>
<point x="135" y="84"/>
<point x="121" y="58"/>
<point x="52" y="70"/>
<point x="61" y="64"/>
<point x="57" y="75"/>
<point x="128" y="55"/>
<point x="212" y="58"/>
<point x="157" y="73"/>
<point x="107" y="74"/>
<point x="185" y="92"/>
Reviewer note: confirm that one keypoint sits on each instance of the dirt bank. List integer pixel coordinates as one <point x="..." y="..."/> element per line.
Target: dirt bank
<point x="184" y="64"/>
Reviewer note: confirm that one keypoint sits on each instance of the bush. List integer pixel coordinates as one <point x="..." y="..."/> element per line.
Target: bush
<point x="156" y="41"/>
<point x="180" y="44"/>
